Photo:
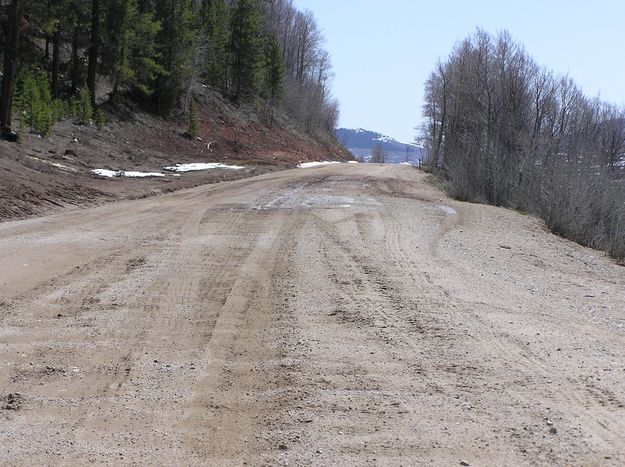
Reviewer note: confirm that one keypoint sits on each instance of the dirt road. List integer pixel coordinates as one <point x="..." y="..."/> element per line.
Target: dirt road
<point x="349" y="314"/>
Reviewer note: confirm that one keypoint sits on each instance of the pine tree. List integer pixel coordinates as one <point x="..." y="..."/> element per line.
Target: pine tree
<point x="273" y="70"/>
<point x="34" y="102"/>
<point x="94" y="49"/>
<point x="57" y="24"/>
<point x="245" y="49"/>
<point x="131" y="54"/>
<point x="216" y="19"/>
<point x="175" y="47"/>
<point x="85" y="109"/>
<point x="16" y="9"/>
<point x="78" y="15"/>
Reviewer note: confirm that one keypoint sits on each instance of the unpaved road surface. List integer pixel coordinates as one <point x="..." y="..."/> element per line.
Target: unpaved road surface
<point x="346" y="315"/>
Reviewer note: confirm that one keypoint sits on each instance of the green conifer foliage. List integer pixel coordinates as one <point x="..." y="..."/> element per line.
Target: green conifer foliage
<point x="273" y="70"/>
<point x="34" y="102"/>
<point x="131" y="54"/>
<point x="217" y="39"/>
<point x="246" y="53"/>
<point x="85" y="109"/>
<point x="175" y="45"/>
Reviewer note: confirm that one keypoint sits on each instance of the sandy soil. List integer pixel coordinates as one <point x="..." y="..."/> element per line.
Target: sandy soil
<point x="346" y="315"/>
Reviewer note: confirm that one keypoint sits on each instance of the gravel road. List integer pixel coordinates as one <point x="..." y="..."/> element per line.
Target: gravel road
<point x="342" y="315"/>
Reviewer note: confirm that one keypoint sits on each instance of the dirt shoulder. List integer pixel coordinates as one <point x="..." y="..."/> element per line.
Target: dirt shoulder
<point x="345" y="315"/>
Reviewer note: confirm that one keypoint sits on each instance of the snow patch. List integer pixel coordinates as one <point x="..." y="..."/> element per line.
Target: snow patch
<point x="143" y="174"/>
<point x="122" y="173"/>
<point x="307" y="165"/>
<point x="385" y="139"/>
<point x="353" y="162"/>
<point x="197" y="166"/>
<point x="107" y="173"/>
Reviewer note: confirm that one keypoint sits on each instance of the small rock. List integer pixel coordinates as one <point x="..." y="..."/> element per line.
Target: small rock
<point x="318" y="451"/>
<point x="505" y="247"/>
<point x="553" y="430"/>
<point x="549" y="423"/>
<point x="13" y="401"/>
<point x="283" y="447"/>
<point x="465" y="463"/>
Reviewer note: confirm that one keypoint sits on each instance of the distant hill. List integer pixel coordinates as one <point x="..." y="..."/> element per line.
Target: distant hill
<point x="360" y="143"/>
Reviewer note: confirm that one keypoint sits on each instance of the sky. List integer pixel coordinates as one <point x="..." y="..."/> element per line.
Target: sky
<point x="383" y="51"/>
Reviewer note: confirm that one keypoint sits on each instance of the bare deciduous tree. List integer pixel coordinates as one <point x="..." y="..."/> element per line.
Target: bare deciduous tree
<point x="378" y="155"/>
<point x="506" y="132"/>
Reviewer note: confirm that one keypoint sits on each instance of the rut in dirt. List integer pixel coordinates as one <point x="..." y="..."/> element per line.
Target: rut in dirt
<point x="346" y="315"/>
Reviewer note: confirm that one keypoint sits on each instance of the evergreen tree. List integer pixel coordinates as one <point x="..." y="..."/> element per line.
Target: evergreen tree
<point x="15" y="10"/>
<point x="175" y="47"/>
<point x="85" y="109"/>
<point x="94" y="49"/>
<point x="245" y="49"/>
<point x="54" y="25"/>
<point x="216" y="25"/>
<point x="273" y="70"/>
<point x="78" y="17"/>
<point x="34" y="102"/>
<point x="264" y="50"/>
<point x="131" y="55"/>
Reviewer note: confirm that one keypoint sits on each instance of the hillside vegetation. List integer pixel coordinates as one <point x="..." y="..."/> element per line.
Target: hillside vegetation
<point x="508" y="132"/>
<point x="138" y="85"/>
<point x="63" y="59"/>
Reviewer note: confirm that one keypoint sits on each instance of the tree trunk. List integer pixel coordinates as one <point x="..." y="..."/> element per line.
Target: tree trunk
<point x="46" y="55"/>
<point x="10" y="63"/>
<point x="94" y="49"/>
<point x="75" y="61"/>
<point x="56" y="46"/>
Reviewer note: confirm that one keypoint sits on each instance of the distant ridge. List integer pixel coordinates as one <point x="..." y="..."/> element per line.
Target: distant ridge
<point x="360" y="142"/>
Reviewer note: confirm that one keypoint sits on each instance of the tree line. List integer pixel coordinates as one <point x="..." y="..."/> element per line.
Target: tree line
<point x="261" y="52"/>
<point x="505" y="131"/>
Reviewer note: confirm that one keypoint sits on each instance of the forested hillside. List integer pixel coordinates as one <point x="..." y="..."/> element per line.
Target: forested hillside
<point x="364" y="144"/>
<point x="508" y="132"/>
<point x="63" y="59"/>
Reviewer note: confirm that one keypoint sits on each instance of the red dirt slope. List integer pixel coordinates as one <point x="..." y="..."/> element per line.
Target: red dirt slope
<point x="44" y="174"/>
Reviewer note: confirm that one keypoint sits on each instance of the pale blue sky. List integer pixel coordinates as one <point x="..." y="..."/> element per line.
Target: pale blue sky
<point x="383" y="51"/>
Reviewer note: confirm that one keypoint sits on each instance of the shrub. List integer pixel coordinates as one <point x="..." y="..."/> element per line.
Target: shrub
<point x="34" y="102"/>
<point x="193" y="129"/>
<point x="84" y="108"/>
<point x="100" y="120"/>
